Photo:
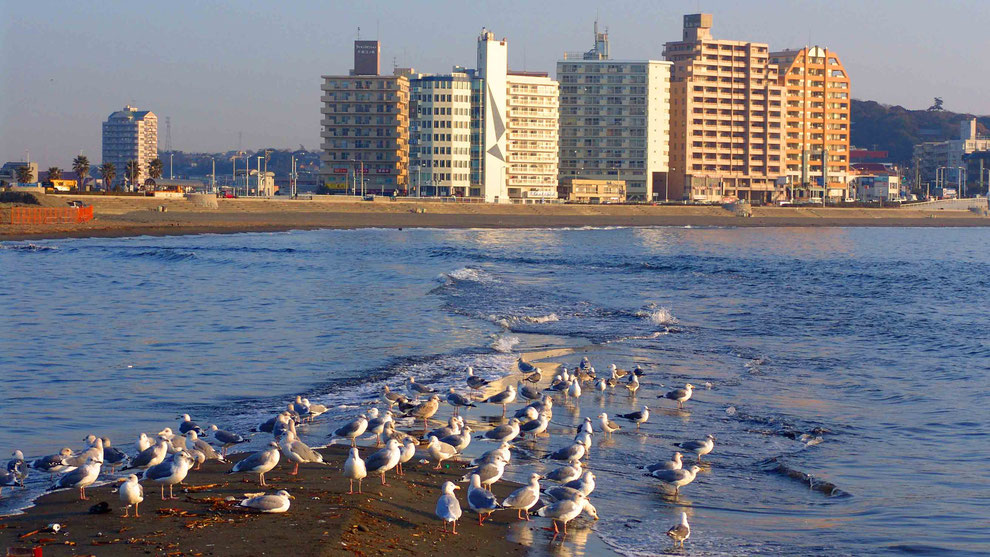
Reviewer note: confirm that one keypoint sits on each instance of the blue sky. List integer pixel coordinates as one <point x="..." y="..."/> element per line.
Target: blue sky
<point x="223" y="68"/>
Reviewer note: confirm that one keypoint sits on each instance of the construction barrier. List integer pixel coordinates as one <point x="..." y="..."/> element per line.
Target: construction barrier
<point x="50" y="215"/>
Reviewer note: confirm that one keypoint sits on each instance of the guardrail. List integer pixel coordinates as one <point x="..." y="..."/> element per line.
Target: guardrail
<point x="50" y="215"/>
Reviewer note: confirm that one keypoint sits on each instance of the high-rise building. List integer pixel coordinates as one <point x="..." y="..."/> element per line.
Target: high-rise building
<point x="130" y="135"/>
<point x="532" y="115"/>
<point x="943" y="164"/>
<point x="726" y="121"/>
<point x="816" y="121"/>
<point x="614" y="120"/>
<point x="365" y="128"/>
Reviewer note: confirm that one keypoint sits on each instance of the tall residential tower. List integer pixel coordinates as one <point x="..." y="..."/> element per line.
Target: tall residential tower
<point x="130" y="135"/>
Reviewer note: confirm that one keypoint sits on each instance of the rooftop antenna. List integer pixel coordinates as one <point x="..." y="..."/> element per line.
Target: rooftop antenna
<point x="395" y="63"/>
<point x="359" y="33"/>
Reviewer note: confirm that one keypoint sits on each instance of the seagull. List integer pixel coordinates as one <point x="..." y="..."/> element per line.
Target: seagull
<point x="384" y="460"/>
<point x="676" y="478"/>
<point x="453" y="426"/>
<point x="187" y="425"/>
<point x="300" y="406"/>
<point x="277" y="503"/>
<point x="81" y="477"/>
<point x="638" y="417"/>
<point x="258" y="463"/>
<point x="171" y="472"/>
<point x="488" y="472"/>
<point x="584" y="438"/>
<point x="680" y="532"/>
<point x="585" y="362"/>
<point x="524" y="498"/>
<point x="638" y="371"/>
<point x="608" y="426"/>
<point x="460" y="440"/>
<point x="439" y="451"/>
<point x="559" y="384"/>
<point x="474" y="381"/>
<point x="417" y="388"/>
<point x="143" y="442"/>
<point x="298" y="452"/>
<point x="407" y="454"/>
<point x="152" y="456"/>
<point x="680" y="395"/>
<point x="500" y="452"/>
<point x="536" y="426"/>
<point x="426" y="410"/>
<point x="353" y="429"/>
<point x="284" y="422"/>
<point x="585" y="484"/>
<point x="53" y="464"/>
<point x="601" y="385"/>
<point x="571" y="471"/>
<point x="377" y="425"/>
<point x="112" y="455"/>
<point x="354" y="469"/>
<point x="505" y="432"/>
<point x="700" y="448"/>
<point x="226" y="438"/>
<point x="175" y="443"/>
<point x="535" y="377"/>
<point x="632" y="384"/>
<point x="586" y="427"/>
<point x="315" y="410"/>
<point x="570" y="452"/>
<point x="480" y="500"/>
<point x="526" y="367"/>
<point x="458" y="400"/>
<point x="392" y="398"/>
<point x="574" y="389"/>
<point x="202" y="446"/>
<point x="504" y="398"/>
<point x="8" y="478"/>
<point x="528" y="392"/>
<point x="672" y="464"/>
<point x="131" y="494"/>
<point x="566" y="511"/>
<point x="448" y="508"/>
<point x="18" y="467"/>
<point x="94" y="451"/>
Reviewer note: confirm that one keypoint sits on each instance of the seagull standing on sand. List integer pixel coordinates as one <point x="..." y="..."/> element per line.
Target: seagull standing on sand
<point x="566" y="511"/>
<point x="353" y="429"/>
<point x="426" y="410"/>
<point x="226" y="438"/>
<point x="526" y="367"/>
<point x="506" y="432"/>
<point x="377" y="425"/>
<point x="458" y="400"/>
<point x="680" y="532"/>
<point x="459" y="440"/>
<point x="258" y="463"/>
<point x="574" y="389"/>
<point x="500" y="452"/>
<point x="536" y="426"/>
<point x="53" y="464"/>
<point x="81" y="477"/>
<point x="298" y="452"/>
<point x="277" y="503"/>
<point x="131" y="494"/>
<point x="384" y="460"/>
<point x="680" y="395"/>
<point x="676" y="478"/>
<point x="700" y="448"/>
<point x="474" y="381"/>
<point x="354" y="469"/>
<point x="170" y="472"/>
<point x="439" y="451"/>
<point x="94" y="451"/>
<point x="528" y="392"/>
<point x="487" y="472"/>
<point x="480" y="500"/>
<point x="524" y="498"/>
<point x="407" y="454"/>
<point x="202" y="446"/>
<point x="149" y="457"/>
<point x="608" y="426"/>
<point x="585" y="484"/>
<point x="508" y="396"/>
<point x="638" y="417"/>
<point x="448" y="508"/>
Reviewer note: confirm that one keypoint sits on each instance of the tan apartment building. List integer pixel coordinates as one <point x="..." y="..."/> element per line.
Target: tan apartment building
<point x="816" y="122"/>
<point x="578" y="190"/>
<point x="614" y="120"/>
<point x="130" y="135"/>
<point x="532" y="114"/>
<point x="365" y="128"/>
<point x="726" y="117"/>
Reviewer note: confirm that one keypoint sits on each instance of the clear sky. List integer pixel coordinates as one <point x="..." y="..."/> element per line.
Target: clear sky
<point x="223" y="68"/>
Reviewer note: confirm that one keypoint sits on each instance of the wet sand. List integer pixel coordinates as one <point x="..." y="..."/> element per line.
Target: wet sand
<point x="323" y="519"/>
<point x="134" y="216"/>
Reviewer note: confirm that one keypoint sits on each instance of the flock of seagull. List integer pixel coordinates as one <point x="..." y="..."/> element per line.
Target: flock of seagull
<point x="166" y="458"/>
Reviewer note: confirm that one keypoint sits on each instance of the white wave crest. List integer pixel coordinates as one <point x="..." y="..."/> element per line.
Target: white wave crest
<point x="660" y="316"/>
<point x="549" y="318"/>
<point x="504" y="344"/>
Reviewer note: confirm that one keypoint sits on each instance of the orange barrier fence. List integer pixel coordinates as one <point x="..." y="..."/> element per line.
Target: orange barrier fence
<point x="50" y="215"/>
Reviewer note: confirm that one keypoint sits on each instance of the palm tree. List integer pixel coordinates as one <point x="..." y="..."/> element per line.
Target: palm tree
<point x="132" y="171"/>
<point x="54" y="173"/>
<point x="24" y="174"/>
<point x="108" y="173"/>
<point x="80" y="165"/>
<point x="155" y="168"/>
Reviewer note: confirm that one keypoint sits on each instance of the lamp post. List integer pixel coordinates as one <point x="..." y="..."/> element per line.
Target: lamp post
<point x="257" y="181"/>
<point x="171" y="175"/>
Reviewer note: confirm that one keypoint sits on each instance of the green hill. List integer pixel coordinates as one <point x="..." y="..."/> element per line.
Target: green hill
<point x="897" y="129"/>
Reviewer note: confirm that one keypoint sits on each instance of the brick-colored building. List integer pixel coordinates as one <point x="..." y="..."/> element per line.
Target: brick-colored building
<point x="726" y="121"/>
<point x="816" y="121"/>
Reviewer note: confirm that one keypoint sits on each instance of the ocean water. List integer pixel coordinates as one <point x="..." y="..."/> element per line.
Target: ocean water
<point x="843" y="371"/>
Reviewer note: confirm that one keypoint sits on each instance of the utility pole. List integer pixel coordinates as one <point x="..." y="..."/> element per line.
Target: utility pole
<point x="257" y="184"/>
<point x="171" y="175"/>
<point x="213" y="176"/>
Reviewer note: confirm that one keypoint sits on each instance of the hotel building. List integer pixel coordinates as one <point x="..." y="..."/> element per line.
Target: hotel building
<point x="614" y="120"/>
<point x="365" y="127"/>
<point x="130" y="135"/>
<point x="816" y="121"/>
<point x="726" y="119"/>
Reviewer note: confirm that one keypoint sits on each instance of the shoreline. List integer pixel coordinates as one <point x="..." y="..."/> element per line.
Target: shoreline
<point x="128" y="217"/>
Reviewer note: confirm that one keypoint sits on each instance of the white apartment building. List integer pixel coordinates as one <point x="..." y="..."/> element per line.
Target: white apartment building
<point x="615" y="120"/>
<point x="532" y="142"/>
<point x="130" y="134"/>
